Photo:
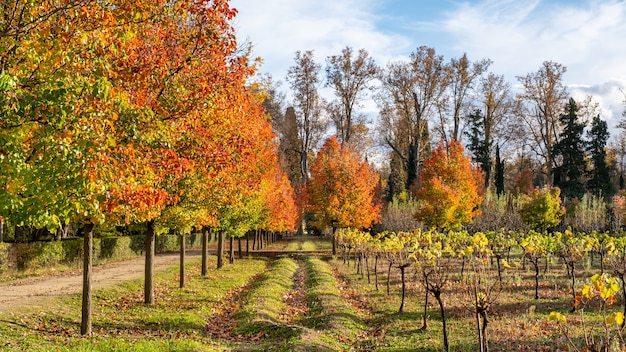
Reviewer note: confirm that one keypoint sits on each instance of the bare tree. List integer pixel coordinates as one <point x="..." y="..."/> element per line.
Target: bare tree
<point x="285" y="126"/>
<point x="463" y="75"/>
<point x="409" y="97"/>
<point x="304" y="81"/>
<point x="498" y="104"/>
<point x="350" y="76"/>
<point x="543" y="98"/>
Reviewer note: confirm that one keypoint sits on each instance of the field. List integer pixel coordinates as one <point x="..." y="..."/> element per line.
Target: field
<point x="299" y="298"/>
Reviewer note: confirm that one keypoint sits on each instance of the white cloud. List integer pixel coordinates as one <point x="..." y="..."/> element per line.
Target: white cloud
<point x="518" y="36"/>
<point x="586" y="36"/>
<point x="325" y="26"/>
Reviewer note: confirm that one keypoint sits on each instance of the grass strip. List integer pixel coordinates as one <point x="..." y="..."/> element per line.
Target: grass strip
<point x="328" y="312"/>
<point x="259" y="317"/>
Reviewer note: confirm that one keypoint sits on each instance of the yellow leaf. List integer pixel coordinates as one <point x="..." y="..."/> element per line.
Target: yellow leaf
<point x="587" y="292"/>
<point x="619" y="318"/>
<point x="558" y="317"/>
<point x="505" y="263"/>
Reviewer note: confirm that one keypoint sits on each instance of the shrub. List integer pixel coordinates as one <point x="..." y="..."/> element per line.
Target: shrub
<point x="4" y="256"/>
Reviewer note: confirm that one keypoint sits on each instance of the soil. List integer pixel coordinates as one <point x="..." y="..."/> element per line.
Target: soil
<point x="32" y="292"/>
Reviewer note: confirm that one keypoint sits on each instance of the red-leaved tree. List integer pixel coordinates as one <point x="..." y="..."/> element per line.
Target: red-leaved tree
<point x="341" y="189"/>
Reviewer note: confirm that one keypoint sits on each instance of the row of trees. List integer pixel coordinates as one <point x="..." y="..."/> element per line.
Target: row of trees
<point x="424" y="99"/>
<point x="137" y="112"/>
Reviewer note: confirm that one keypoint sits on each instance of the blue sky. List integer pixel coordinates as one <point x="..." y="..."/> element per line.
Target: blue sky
<point x="586" y="36"/>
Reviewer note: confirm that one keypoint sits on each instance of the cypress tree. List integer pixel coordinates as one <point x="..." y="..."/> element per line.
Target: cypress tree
<point x="499" y="173"/>
<point x="599" y="179"/>
<point x="480" y="148"/>
<point x="571" y="150"/>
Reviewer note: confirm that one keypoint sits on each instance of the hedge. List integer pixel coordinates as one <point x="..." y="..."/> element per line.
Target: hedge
<point x="35" y="255"/>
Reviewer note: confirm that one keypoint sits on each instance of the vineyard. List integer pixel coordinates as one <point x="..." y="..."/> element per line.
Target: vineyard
<point x="372" y="296"/>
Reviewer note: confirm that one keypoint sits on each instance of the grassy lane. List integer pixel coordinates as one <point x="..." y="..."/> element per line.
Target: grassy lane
<point x="339" y="325"/>
<point x="177" y="322"/>
<point x="259" y="318"/>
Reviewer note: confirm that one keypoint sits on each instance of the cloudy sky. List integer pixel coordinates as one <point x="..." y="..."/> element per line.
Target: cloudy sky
<point x="586" y="36"/>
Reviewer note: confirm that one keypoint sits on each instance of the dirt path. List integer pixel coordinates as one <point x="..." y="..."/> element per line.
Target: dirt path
<point x="33" y="291"/>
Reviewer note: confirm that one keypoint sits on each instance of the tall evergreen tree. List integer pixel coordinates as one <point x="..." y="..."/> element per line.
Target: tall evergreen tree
<point x="571" y="151"/>
<point x="599" y="179"/>
<point x="499" y="172"/>
<point x="480" y="148"/>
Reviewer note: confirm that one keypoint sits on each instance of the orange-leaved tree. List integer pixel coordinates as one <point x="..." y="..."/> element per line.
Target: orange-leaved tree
<point x="341" y="189"/>
<point x="449" y="188"/>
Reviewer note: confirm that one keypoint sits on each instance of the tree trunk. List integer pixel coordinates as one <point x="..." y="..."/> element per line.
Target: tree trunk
<point x="367" y="267"/>
<point x="437" y="295"/>
<point x="621" y="276"/>
<point x="536" y="264"/>
<point x="182" y="260"/>
<point x="402" y="268"/>
<point x="376" y="271"/>
<point x="601" y="262"/>
<point x="248" y="243"/>
<point x="254" y="240"/>
<point x="205" y="248"/>
<point x="334" y="242"/>
<point x="425" y="315"/>
<point x="149" y="269"/>
<point x="573" y="286"/>
<point x="220" y="249"/>
<point x="239" y="244"/>
<point x="231" y="250"/>
<point x="499" y="270"/>
<point x="484" y="327"/>
<point x="1" y="231"/>
<point x="479" y="328"/>
<point x="85" y="325"/>
<point x="389" y="276"/>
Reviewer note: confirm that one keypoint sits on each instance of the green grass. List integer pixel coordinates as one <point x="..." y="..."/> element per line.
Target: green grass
<point x="329" y="312"/>
<point x="260" y="314"/>
<point x="122" y="322"/>
<point x="306" y="244"/>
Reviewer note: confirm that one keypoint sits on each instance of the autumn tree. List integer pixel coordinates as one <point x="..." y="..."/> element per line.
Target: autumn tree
<point x="341" y="191"/>
<point x="350" y="75"/>
<point x="59" y="115"/>
<point x="543" y="209"/>
<point x="449" y="189"/>
<point x="541" y="103"/>
<point x="304" y="81"/>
